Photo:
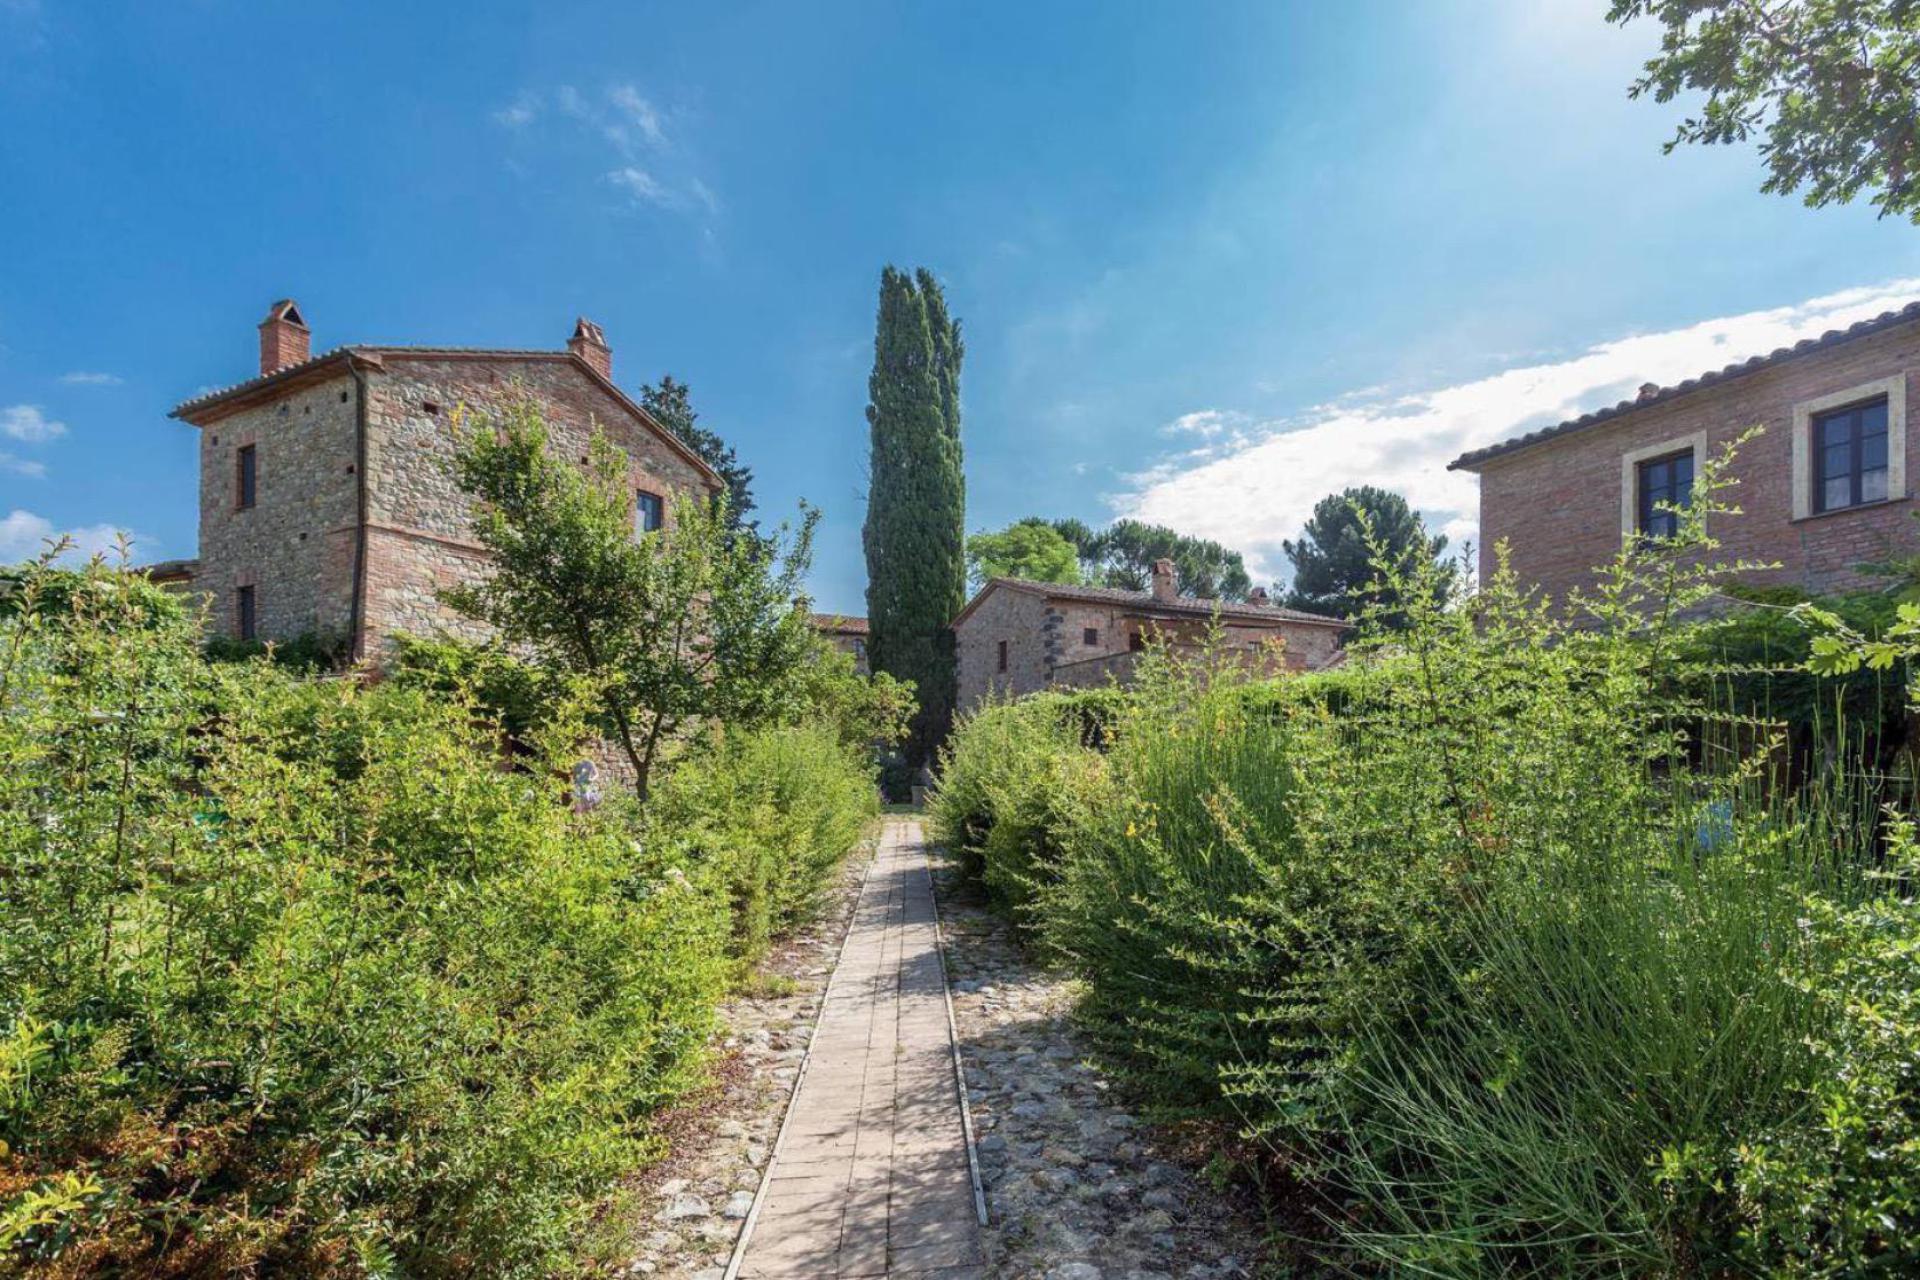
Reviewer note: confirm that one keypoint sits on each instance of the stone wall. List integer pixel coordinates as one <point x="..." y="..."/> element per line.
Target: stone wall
<point x="1559" y="503"/>
<point x="1021" y="619"/>
<point x="1046" y="637"/>
<point x="294" y="546"/>
<point x="420" y="523"/>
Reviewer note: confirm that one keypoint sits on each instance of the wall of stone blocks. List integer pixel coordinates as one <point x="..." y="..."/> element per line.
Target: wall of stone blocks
<point x="420" y="537"/>
<point x="294" y="546"/>
<point x="1558" y="503"/>
<point x="1045" y="637"/>
<point x="1019" y="618"/>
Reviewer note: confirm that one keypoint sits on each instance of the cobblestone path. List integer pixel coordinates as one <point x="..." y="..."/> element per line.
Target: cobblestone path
<point x="871" y="1176"/>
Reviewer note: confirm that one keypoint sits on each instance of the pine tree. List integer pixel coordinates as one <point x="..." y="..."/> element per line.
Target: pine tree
<point x="672" y="407"/>
<point x="915" y="534"/>
<point x="1333" y="565"/>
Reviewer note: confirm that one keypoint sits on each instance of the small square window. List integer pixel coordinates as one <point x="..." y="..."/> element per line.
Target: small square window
<point x="1090" y="637"/>
<point x="1850" y="456"/>
<point x="243" y="609"/>
<point x="649" y="512"/>
<point x="246" y="481"/>
<point x="1136" y="641"/>
<point x="1664" y="482"/>
<point x="1003" y="655"/>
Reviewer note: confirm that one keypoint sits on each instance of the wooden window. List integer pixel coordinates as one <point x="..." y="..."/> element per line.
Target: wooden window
<point x="247" y="476"/>
<point x="1850" y="456"/>
<point x="1003" y="655"/>
<point x="1090" y="636"/>
<point x="649" y="511"/>
<point x="1669" y="481"/>
<point x="243" y="609"/>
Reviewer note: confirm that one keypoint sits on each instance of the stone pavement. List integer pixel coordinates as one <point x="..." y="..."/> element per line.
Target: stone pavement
<point x="872" y="1177"/>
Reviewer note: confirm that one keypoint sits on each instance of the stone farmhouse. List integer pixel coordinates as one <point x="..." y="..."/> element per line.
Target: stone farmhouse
<point x="327" y="502"/>
<point x="849" y="635"/>
<point x="1822" y="491"/>
<point x="1016" y="637"/>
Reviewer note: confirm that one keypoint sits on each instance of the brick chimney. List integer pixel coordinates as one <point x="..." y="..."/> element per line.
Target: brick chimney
<point x="1163" y="588"/>
<point x="284" y="337"/>
<point x="1258" y="597"/>
<point x="590" y="345"/>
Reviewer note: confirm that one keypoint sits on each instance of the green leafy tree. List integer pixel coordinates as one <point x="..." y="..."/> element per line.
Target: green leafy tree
<point x="672" y="408"/>
<point x="1333" y="565"/>
<point x="668" y="629"/>
<point x="1122" y="555"/>
<point x="915" y="532"/>
<point x="1030" y="549"/>
<point x="1833" y="86"/>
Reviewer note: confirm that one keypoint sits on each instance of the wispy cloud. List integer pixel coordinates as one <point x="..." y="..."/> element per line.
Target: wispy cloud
<point x="29" y="423"/>
<point x="640" y="113"/>
<point x="84" y="379"/>
<point x="24" y="534"/>
<point x="1251" y="484"/>
<point x="14" y="465"/>
<point x="521" y="112"/>
<point x="650" y="166"/>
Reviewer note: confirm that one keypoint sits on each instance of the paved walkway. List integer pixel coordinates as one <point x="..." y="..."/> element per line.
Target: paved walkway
<point x="871" y="1178"/>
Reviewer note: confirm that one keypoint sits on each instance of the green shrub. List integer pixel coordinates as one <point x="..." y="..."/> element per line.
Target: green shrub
<point x="1835" y="1190"/>
<point x="1529" y="955"/>
<point x="1011" y="778"/>
<point x="310" y="651"/>
<point x="1752" y="661"/>
<point x="1616" y="1019"/>
<point x="522" y="697"/>
<point x="773" y="812"/>
<point x="295" y="979"/>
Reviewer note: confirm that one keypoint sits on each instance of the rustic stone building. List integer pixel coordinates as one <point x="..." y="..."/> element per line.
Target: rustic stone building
<point x="1823" y="490"/>
<point x="1016" y="636"/>
<point x="849" y="635"/>
<point x="327" y="499"/>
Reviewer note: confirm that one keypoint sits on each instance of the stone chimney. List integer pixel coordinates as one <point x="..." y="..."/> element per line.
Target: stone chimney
<point x="590" y="345"/>
<point x="1258" y="597"/>
<point x="285" y="339"/>
<point x="1163" y="588"/>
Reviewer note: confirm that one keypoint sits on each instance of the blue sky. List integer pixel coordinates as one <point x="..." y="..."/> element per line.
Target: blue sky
<point x="1212" y="260"/>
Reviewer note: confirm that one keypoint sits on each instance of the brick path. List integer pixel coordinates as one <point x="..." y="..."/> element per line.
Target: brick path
<point x="871" y="1178"/>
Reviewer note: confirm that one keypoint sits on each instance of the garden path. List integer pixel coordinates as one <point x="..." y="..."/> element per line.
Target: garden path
<point x="871" y="1175"/>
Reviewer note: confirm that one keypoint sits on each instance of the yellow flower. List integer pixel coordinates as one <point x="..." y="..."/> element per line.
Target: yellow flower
<point x="1131" y="830"/>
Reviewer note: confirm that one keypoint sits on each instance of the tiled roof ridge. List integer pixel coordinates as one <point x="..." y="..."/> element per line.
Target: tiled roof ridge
<point x="1832" y="337"/>
<point x="380" y="350"/>
<point x="1181" y="604"/>
<point x="361" y="349"/>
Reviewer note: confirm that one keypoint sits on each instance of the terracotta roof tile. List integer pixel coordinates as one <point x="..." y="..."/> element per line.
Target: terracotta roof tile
<point x="1146" y="602"/>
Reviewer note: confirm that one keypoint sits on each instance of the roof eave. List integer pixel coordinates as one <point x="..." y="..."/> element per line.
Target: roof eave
<point x="1475" y="459"/>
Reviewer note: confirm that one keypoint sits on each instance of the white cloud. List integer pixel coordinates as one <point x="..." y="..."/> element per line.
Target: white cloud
<point x="643" y="186"/>
<point x="13" y="465"/>
<point x="24" y="534"/>
<point x="1252" y="484"/>
<point x="521" y="112"/>
<point x="83" y="379"/>
<point x="643" y="115"/>
<point x="633" y="130"/>
<point x="1208" y="424"/>
<point x="28" y="422"/>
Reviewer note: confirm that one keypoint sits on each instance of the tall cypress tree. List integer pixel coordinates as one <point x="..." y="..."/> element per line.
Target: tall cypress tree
<point x="915" y="535"/>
